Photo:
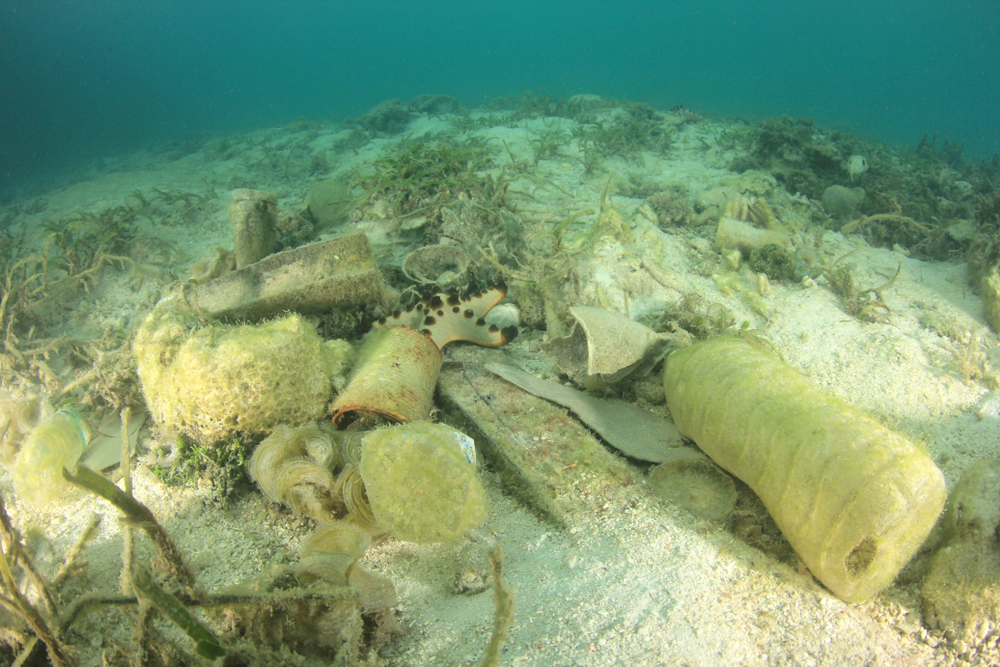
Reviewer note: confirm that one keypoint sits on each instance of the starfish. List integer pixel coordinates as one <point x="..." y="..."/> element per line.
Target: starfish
<point x="445" y="317"/>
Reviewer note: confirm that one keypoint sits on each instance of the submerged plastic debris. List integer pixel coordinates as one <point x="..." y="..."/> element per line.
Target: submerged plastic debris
<point x="444" y="266"/>
<point x="56" y="442"/>
<point x="316" y="278"/>
<point x="623" y="425"/>
<point x="254" y="216"/>
<point x="399" y="362"/>
<point x="604" y="347"/>
<point x="854" y="499"/>
<point x="393" y="378"/>
<point x="689" y="479"/>
<point x="420" y="482"/>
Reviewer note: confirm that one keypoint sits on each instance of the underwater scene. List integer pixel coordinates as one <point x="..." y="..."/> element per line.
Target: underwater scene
<point x="499" y="333"/>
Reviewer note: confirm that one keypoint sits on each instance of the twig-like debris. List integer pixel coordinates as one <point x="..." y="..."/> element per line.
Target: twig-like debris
<point x="503" y="616"/>
<point x="855" y="225"/>
<point x="14" y="550"/>
<point x="31" y="615"/>
<point x="210" y="600"/>
<point x="138" y="514"/>
<point x="69" y="561"/>
<point x="206" y="644"/>
<point x="128" y="539"/>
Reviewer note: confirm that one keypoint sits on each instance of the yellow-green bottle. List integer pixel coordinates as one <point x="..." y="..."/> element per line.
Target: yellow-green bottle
<point x="56" y="442"/>
<point x="855" y="499"/>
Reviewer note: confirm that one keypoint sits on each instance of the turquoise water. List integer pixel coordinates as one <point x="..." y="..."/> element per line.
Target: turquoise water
<point x="83" y="80"/>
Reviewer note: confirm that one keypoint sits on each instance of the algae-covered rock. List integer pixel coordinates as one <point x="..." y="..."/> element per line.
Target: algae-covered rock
<point x="840" y="202"/>
<point x="774" y="261"/>
<point x="328" y="202"/>
<point x="435" y="104"/>
<point x="214" y="381"/>
<point x="389" y="117"/>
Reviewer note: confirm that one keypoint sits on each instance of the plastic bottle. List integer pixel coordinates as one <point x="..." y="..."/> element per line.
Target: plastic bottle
<point x="855" y="499"/>
<point x="56" y="442"/>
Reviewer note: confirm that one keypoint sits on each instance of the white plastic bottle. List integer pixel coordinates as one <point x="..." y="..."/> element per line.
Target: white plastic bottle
<point x="56" y="442"/>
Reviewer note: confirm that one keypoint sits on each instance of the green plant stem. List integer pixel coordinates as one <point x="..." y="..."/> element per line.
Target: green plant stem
<point x="58" y="656"/>
<point x="138" y="514"/>
<point x="207" y="601"/>
<point x="207" y="645"/>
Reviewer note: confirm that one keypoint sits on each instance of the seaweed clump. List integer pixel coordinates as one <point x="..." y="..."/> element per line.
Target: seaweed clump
<point x="328" y="604"/>
<point x="438" y="191"/>
<point x="984" y="249"/>
<point x="625" y="132"/>
<point x="916" y="200"/>
<point x="774" y="261"/>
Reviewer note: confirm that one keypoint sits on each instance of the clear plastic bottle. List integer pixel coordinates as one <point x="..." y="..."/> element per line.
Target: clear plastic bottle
<point x="56" y="442"/>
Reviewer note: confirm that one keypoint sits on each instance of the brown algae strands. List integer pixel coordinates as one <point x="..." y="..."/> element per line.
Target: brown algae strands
<point x="853" y="498"/>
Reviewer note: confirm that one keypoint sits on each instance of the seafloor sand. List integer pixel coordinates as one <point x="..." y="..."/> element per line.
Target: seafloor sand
<point x="640" y="584"/>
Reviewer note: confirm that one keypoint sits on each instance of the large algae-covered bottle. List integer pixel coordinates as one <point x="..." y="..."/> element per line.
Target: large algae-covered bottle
<point x="855" y="499"/>
<point x="56" y="442"/>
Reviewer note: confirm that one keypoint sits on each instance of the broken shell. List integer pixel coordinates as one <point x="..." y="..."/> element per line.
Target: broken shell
<point x="394" y="377"/>
<point x="604" y="347"/>
<point x="440" y="265"/>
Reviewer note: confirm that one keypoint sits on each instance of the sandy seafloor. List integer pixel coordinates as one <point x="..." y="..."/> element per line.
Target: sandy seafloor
<point x="647" y="584"/>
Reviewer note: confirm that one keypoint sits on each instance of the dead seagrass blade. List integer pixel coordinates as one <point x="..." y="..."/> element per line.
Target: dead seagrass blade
<point x="604" y="347"/>
<point x="623" y="425"/>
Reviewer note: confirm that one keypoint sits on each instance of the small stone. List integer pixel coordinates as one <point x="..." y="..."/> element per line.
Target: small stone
<point x="470" y="581"/>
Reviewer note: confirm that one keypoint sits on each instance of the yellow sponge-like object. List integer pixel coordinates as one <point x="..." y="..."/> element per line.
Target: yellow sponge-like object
<point x="212" y="382"/>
